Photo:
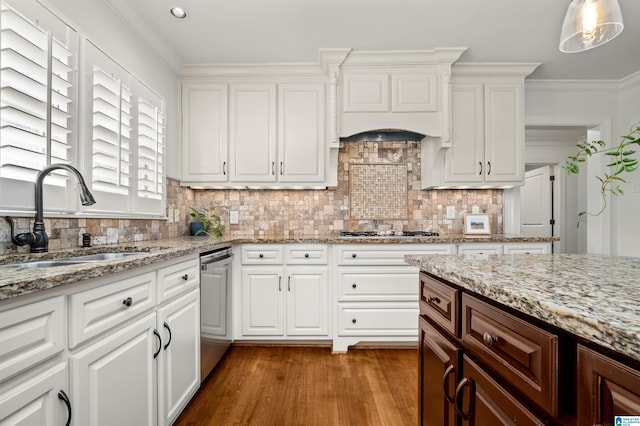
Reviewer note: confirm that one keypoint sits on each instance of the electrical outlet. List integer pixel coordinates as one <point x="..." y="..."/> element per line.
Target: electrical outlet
<point x="233" y="217"/>
<point x="451" y="212"/>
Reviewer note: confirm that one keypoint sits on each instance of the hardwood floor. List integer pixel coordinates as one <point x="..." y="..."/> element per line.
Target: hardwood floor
<point x="308" y="386"/>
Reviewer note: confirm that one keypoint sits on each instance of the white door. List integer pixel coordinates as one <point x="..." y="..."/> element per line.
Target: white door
<point x="262" y="302"/>
<point x="179" y="360"/>
<point x="535" y="203"/>
<point x="114" y="380"/>
<point x="252" y="132"/>
<point x="504" y="132"/>
<point x="301" y="142"/>
<point x="307" y="302"/>
<point x="35" y="402"/>
<point x="204" y="132"/>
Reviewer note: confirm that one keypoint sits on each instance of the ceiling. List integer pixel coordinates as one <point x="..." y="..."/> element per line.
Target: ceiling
<point x="250" y="31"/>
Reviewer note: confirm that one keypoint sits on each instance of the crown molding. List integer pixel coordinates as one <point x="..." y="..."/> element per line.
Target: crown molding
<point x="493" y="69"/>
<point x="402" y="58"/>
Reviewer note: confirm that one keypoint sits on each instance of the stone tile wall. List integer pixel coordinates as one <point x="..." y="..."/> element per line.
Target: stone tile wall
<point x="289" y="213"/>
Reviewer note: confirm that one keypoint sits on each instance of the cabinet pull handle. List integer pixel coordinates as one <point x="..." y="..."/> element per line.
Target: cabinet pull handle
<point x="489" y="339"/>
<point x="169" y="330"/>
<point x="489" y="167"/>
<point x="281" y="168"/>
<point x="279" y="283"/>
<point x="127" y="302"/>
<point x="289" y="283"/>
<point x="185" y="277"/>
<point x="354" y="320"/>
<point x="458" y="398"/>
<point x="224" y="168"/>
<point x="433" y="299"/>
<point x="480" y="163"/>
<point x="354" y="255"/>
<point x="261" y="255"/>
<point x="273" y="168"/>
<point x="155" y="332"/>
<point x="64" y="398"/>
<point x="306" y="255"/>
<point x="445" y="382"/>
<point x="354" y="285"/>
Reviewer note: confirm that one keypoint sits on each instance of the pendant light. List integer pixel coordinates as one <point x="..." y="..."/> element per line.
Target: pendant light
<point x="590" y="23"/>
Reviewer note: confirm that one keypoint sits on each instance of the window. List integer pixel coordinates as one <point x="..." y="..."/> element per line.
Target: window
<point x="38" y="71"/>
<point x="126" y="133"/>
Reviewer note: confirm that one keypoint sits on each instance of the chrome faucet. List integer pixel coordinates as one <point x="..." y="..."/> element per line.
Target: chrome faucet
<point x="38" y="239"/>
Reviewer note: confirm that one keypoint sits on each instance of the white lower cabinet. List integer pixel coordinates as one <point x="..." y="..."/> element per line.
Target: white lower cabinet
<point x="38" y="401"/>
<point x="179" y="359"/>
<point x="114" y="380"/>
<point x="130" y="359"/>
<point x="289" y="299"/>
<point x="376" y="293"/>
<point x="480" y="248"/>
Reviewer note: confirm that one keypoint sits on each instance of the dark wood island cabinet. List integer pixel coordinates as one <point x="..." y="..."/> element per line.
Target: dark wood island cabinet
<point x="485" y="363"/>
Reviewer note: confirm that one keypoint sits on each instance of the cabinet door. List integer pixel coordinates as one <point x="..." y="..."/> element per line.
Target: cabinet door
<point x="301" y="141"/>
<point x="262" y="302"/>
<point x="307" y="301"/>
<point x="439" y="373"/>
<point x="113" y="381"/>
<point x="252" y="132"/>
<point x="204" y="132"/>
<point x="504" y="132"/>
<point x="481" y="401"/>
<point x="35" y="402"/>
<point x="606" y="388"/>
<point x="464" y="161"/>
<point x="179" y="361"/>
<point x="365" y="92"/>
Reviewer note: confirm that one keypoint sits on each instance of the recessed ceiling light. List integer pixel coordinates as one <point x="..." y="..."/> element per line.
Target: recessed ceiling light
<point x="178" y="12"/>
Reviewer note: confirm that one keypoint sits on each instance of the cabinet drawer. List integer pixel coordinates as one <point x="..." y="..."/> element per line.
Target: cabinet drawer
<point x="303" y="254"/>
<point x="30" y="334"/>
<point x="262" y="255"/>
<point x="378" y="255"/>
<point x="93" y="311"/>
<point x="475" y="248"/>
<point x="441" y="303"/>
<point x="176" y="279"/>
<point x="527" y="248"/>
<point x="372" y="284"/>
<point x="521" y="353"/>
<point x="378" y="319"/>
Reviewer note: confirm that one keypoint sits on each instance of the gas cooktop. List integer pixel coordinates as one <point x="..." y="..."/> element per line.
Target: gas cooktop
<point x="360" y="234"/>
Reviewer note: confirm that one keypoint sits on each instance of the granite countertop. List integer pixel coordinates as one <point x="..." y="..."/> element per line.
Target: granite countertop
<point x="19" y="281"/>
<point x="594" y="297"/>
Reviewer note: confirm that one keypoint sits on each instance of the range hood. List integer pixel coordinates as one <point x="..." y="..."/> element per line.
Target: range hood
<point x="384" y="135"/>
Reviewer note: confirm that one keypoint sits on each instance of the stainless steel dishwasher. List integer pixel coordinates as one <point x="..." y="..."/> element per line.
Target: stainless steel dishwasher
<point x="215" y="308"/>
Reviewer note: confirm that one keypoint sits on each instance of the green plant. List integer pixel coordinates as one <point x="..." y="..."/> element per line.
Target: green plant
<point x="622" y="161"/>
<point x="210" y="220"/>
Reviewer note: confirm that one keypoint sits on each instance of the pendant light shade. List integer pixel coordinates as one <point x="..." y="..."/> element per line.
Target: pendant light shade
<point x="590" y="23"/>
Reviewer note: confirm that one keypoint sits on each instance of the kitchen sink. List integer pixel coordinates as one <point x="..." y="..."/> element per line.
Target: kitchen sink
<point x="90" y="258"/>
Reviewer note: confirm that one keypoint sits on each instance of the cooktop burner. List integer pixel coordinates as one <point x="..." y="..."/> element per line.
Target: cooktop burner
<point x="388" y="234"/>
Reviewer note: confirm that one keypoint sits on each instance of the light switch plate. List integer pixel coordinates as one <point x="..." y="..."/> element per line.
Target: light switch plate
<point x="451" y="212"/>
<point x="233" y="217"/>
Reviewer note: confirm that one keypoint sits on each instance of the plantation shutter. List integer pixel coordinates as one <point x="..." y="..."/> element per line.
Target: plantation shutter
<point x="150" y="155"/>
<point x="110" y="101"/>
<point x="38" y="73"/>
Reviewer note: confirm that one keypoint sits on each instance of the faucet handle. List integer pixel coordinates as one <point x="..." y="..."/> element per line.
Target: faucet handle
<point x="20" y="239"/>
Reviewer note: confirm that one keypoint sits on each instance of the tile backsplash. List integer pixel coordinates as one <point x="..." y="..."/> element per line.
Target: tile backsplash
<point x="378" y="188"/>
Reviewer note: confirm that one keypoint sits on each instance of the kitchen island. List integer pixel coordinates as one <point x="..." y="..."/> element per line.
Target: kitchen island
<point x="538" y="338"/>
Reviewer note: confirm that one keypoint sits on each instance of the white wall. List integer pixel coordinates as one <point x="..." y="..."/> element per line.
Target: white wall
<point x="100" y="24"/>
<point x="626" y="208"/>
<point x="590" y="104"/>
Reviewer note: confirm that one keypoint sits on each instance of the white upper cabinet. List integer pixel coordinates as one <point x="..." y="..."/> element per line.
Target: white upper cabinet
<point x="236" y="133"/>
<point x="301" y="132"/>
<point x="487" y="137"/>
<point x="204" y="133"/>
<point x="252" y="132"/>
